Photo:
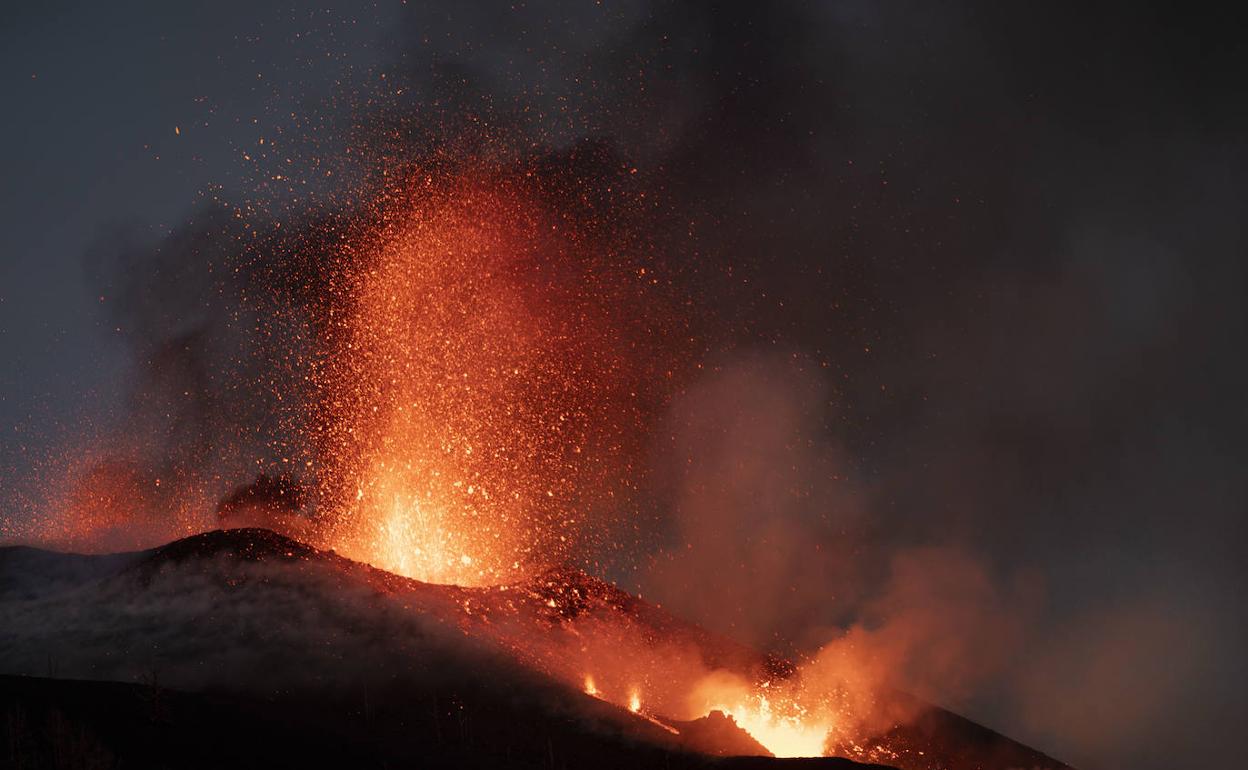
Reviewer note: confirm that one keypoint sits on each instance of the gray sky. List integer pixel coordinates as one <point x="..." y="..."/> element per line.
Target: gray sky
<point x="96" y="92"/>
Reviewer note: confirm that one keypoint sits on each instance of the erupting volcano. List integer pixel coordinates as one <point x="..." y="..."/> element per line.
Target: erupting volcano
<point x="474" y="653"/>
<point x="483" y="369"/>
<point x="465" y="437"/>
<point x="479" y="356"/>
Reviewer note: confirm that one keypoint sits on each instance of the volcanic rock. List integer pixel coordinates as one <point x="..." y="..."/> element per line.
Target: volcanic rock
<point x="467" y="676"/>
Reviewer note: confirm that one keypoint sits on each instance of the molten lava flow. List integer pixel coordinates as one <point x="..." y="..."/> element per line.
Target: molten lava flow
<point x="634" y="701"/>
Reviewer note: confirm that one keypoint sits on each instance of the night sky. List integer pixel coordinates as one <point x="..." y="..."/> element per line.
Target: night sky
<point x="983" y="263"/>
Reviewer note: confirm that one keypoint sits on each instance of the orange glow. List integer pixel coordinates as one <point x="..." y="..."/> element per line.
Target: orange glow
<point x="793" y="734"/>
<point x="477" y="385"/>
<point x="102" y="504"/>
<point x="775" y="717"/>
<point x="445" y="476"/>
<point x="476" y="388"/>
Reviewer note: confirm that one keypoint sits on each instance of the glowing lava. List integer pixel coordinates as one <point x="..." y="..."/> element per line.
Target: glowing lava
<point x="634" y="701"/>
<point x="481" y="386"/>
<point x="775" y="717"/>
<point x="783" y="734"/>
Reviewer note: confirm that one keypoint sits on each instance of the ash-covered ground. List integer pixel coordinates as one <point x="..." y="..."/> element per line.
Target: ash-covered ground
<point x="245" y="648"/>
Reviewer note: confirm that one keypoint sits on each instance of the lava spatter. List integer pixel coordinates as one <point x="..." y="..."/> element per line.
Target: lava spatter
<point x="480" y="391"/>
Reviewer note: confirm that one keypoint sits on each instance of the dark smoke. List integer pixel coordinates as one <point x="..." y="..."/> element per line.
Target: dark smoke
<point x="967" y="278"/>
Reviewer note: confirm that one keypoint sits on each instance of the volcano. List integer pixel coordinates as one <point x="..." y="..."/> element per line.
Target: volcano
<point x="248" y="648"/>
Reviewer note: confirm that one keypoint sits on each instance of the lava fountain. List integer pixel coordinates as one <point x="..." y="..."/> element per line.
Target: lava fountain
<point x="482" y="389"/>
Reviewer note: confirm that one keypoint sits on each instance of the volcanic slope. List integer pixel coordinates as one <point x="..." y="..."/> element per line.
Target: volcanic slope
<point x="347" y="657"/>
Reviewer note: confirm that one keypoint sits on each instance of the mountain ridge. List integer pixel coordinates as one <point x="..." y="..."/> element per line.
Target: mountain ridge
<point x="256" y="606"/>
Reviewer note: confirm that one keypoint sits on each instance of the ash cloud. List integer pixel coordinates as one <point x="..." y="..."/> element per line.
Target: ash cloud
<point x="766" y="519"/>
<point x="1008" y="240"/>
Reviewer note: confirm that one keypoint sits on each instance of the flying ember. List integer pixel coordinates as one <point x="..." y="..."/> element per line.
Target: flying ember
<point x="480" y="390"/>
